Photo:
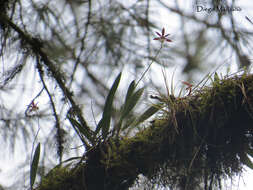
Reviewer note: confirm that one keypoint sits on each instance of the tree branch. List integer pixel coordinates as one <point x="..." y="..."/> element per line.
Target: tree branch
<point x="37" y="48"/>
<point x="215" y="135"/>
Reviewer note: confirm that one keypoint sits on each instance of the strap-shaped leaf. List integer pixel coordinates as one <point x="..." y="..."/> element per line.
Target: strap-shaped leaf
<point x="128" y="107"/>
<point x="34" y="166"/>
<point x="130" y="91"/>
<point x="80" y="129"/>
<point x="148" y="113"/>
<point x="246" y="160"/>
<point x="250" y="152"/>
<point x="216" y="77"/>
<point x="104" y="123"/>
<point x="131" y="102"/>
<point x="134" y="122"/>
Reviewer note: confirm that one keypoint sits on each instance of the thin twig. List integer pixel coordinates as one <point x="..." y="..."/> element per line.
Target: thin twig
<point x="57" y="124"/>
<point x="36" y="46"/>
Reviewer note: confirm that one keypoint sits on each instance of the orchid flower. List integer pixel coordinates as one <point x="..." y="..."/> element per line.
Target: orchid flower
<point x="162" y="37"/>
<point x="33" y="107"/>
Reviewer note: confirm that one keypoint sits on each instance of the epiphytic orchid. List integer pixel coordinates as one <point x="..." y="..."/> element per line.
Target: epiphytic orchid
<point x="162" y="37"/>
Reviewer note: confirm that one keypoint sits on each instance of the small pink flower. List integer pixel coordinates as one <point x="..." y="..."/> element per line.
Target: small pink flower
<point x="33" y="107"/>
<point x="189" y="87"/>
<point x="162" y="37"/>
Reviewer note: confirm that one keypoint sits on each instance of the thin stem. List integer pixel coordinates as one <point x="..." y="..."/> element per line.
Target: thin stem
<point x="143" y="74"/>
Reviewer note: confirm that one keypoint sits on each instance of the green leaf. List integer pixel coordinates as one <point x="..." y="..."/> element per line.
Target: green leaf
<point x="130" y="91"/>
<point x="131" y="119"/>
<point x="104" y="123"/>
<point x="131" y="102"/>
<point x="148" y="113"/>
<point x="80" y="128"/>
<point x="34" y="166"/>
<point x="216" y="77"/>
<point x="246" y="160"/>
<point x="128" y="107"/>
<point x="250" y="152"/>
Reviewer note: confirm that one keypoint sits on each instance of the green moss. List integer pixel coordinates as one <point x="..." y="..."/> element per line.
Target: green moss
<point x="200" y="138"/>
<point x="54" y="179"/>
<point x="62" y="178"/>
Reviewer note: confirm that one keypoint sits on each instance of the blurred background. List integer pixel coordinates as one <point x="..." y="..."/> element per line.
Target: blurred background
<point x="90" y="42"/>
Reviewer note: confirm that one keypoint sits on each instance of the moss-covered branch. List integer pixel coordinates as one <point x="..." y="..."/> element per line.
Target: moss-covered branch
<point x="202" y="138"/>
